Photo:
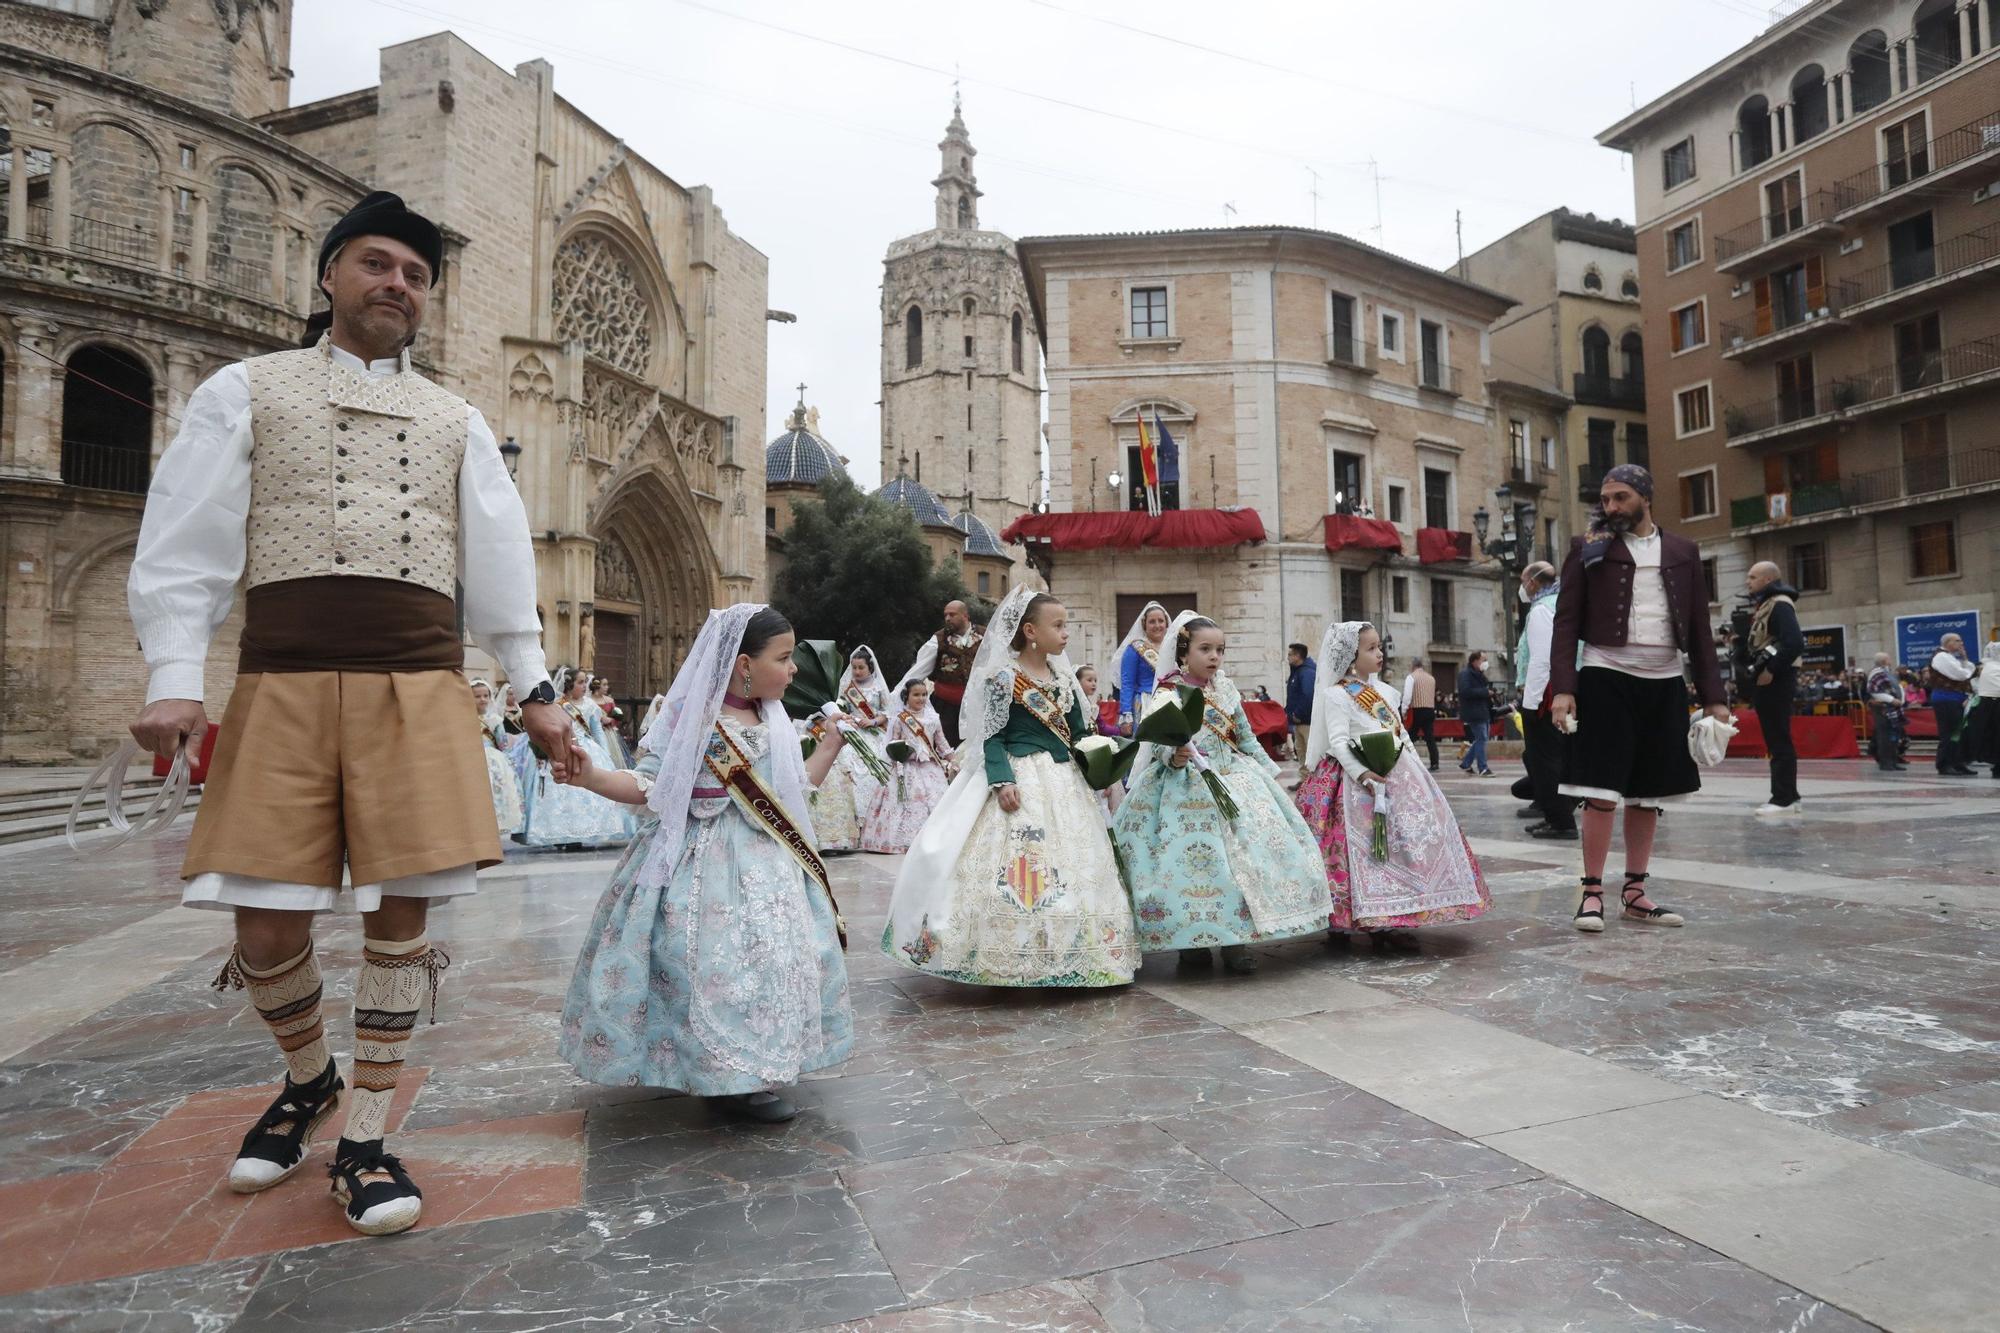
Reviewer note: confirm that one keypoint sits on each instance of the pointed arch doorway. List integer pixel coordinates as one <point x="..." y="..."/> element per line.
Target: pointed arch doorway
<point x="655" y="581"/>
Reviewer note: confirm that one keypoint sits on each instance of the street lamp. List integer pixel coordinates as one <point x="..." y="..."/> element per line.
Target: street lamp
<point x="510" y="454"/>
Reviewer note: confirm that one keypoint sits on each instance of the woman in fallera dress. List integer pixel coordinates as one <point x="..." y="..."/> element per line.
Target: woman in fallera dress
<point x="1199" y="879"/>
<point x="849" y="790"/>
<point x="905" y="802"/>
<point x="562" y="814"/>
<point x="1430" y="876"/>
<point x="1140" y="661"/>
<point x="1013" y="882"/>
<point x="500" y="774"/>
<point x="713" y="965"/>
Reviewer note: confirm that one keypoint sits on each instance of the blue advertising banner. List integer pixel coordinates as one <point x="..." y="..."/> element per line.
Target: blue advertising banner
<point x="1917" y="636"/>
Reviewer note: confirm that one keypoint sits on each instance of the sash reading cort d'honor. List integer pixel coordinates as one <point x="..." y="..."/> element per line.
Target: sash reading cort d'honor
<point x="1035" y="697"/>
<point x="733" y="769"/>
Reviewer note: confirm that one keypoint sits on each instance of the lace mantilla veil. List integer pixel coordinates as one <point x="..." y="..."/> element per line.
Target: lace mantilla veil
<point x="679" y="735"/>
<point x="989" y="689"/>
<point x="877" y="689"/>
<point x="1337" y="650"/>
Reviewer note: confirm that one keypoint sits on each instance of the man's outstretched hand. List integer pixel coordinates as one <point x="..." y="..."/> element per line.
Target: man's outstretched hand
<point x="548" y="727"/>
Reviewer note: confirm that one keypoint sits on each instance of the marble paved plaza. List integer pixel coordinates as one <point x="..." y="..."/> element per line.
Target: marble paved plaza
<point x="1786" y="1116"/>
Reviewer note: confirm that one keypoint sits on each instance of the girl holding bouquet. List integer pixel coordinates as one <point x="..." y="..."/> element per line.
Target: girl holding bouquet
<point x="849" y="791"/>
<point x="1013" y="882"/>
<point x="714" y="962"/>
<point x="906" y="801"/>
<point x="1200" y="878"/>
<point x="1394" y="856"/>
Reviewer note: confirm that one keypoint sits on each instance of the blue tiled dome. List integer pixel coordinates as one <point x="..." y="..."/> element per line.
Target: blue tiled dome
<point x="980" y="539"/>
<point x="800" y="456"/>
<point x="917" y="498"/>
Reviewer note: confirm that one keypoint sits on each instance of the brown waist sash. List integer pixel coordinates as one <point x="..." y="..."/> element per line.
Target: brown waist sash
<point x="739" y="778"/>
<point x="348" y="623"/>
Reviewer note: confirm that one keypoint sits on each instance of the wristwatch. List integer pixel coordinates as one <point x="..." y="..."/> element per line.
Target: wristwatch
<point x="543" y="693"/>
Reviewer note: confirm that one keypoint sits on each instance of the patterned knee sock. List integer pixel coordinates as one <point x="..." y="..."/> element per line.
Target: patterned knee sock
<point x="394" y="976"/>
<point x="287" y="998"/>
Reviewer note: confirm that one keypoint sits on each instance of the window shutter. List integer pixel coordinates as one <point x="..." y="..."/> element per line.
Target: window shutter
<point x="1763" y="289"/>
<point x="1815" y="284"/>
<point x="1774" y="474"/>
<point x="1826" y="461"/>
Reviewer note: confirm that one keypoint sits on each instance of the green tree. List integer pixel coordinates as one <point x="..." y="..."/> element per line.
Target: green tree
<point x="857" y="571"/>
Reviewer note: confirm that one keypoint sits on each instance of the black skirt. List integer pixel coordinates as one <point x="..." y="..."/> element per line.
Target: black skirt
<point x="1982" y="732"/>
<point x="1631" y="741"/>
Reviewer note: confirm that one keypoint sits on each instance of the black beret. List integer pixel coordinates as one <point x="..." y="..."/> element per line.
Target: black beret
<point x="384" y="214"/>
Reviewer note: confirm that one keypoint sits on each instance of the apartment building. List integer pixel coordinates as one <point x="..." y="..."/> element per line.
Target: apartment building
<point x="1818" y="231"/>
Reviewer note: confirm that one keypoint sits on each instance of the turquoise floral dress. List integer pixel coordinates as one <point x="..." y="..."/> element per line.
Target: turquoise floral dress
<point x="719" y="975"/>
<point x="1199" y="879"/>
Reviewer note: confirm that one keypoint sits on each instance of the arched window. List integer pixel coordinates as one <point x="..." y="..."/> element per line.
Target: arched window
<point x="970" y="307"/>
<point x="1629" y="288"/>
<point x="913" y="339"/>
<point x="1868" y="71"/>
<point x="1632" y="357"/>
<point x="1596" y="353"/>
<point x="964" y="211"/>
<point x="1593" y="281"/>
<point x="107" y="421"/>
<point x="1938" y="47"/>
<point x="1809" y="113"/>
<point x="1753" y="132"/>
<point x="1014" y="332"/>
<point x="965" y="165"/>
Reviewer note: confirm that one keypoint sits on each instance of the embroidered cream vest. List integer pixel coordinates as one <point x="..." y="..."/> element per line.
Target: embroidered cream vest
<point x="351" y="474"/>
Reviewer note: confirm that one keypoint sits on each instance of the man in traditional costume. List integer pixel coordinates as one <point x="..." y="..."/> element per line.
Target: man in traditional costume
<point x="1633" y="605"/>
<point x="945" y="661"/>
<point x="348" y="494"/>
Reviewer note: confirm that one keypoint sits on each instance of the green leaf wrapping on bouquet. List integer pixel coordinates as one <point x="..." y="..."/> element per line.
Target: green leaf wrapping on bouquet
<point x="1173" y="724"/>
<point x="807" y="744"/>
<point x="1377" y="751"/>
<point x="1103" y="760"/>
<point x="900" y="751"/>
<point x="818" y="681"/>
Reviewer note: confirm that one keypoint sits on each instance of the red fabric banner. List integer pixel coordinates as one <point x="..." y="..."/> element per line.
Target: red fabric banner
<point x="1438" y="545"/>
<point x="1267" y="720"/>
<point x="1181" y="529"/>
<point x="1376" y="534"/>
<point x="1812" y="737"/>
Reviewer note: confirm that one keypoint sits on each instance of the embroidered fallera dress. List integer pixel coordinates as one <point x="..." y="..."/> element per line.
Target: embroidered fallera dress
<point x="849" y="791"/>
<point x="1199" y="879"/>
<point x="905" y="802"/>
<point x="558" y="814"/>
<point x="1431" y="876"/>
<point x="724" y="978"/>
<point x="1031" y="898"/>
<point x="508" y="809"/>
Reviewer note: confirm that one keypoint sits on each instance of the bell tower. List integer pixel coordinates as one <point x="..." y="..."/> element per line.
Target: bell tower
<point x="961" y="356"/>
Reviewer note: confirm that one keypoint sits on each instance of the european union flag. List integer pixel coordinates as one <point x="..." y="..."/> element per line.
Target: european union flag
<point x="1170" y="453"/>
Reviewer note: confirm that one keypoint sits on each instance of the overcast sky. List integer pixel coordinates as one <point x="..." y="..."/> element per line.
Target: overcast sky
<point x="816" y="121"/>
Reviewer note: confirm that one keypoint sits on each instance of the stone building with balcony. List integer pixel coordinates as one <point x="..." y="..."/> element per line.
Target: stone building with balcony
<point x="1578" y="333"/>
<point x="1818" y="236"/>
<point x="1329" y="405"/>
<point x="163" y="210"/>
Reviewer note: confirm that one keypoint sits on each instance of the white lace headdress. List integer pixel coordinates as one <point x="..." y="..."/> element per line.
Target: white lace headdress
<point x="1137" y="634"/>
<point x="875" y="687"/>
<point x="679" y="735"/>
<point x="989" y="690"/>
<point x="1337" y="650"/>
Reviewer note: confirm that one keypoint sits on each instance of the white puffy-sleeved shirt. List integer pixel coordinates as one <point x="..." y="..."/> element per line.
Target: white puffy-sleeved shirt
<point x="192" y="541"/>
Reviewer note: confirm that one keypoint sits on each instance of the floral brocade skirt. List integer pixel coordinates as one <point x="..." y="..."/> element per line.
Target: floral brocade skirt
<point x="1321" y="798"/>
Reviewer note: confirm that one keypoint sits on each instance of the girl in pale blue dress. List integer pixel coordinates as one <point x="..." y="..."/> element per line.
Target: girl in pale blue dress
<point x="713" y="964"/>
<point x="1198" y="878"/>
<point x="564" y="814"/>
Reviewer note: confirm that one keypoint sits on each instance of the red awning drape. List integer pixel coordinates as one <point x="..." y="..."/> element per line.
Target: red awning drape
<point x="1181" y="529"/>
<point x="1375" y="534"/>
<point x="1437" y="545"/>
